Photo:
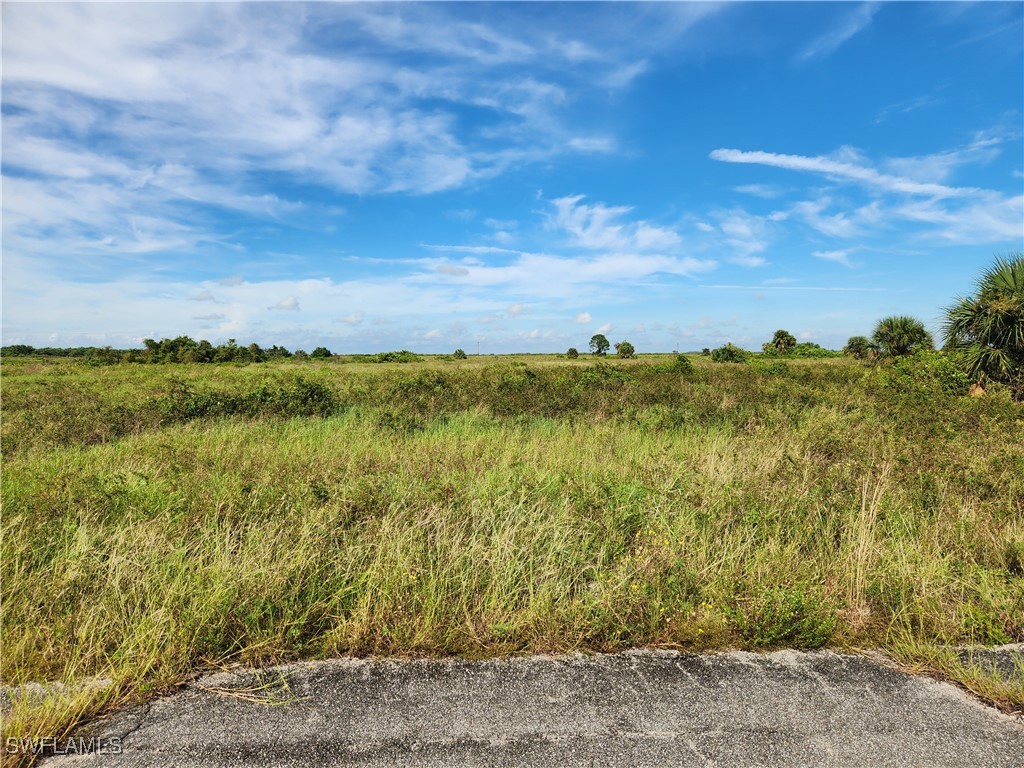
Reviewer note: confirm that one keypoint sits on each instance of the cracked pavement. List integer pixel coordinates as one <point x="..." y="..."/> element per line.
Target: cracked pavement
<point x="642" y="708"/>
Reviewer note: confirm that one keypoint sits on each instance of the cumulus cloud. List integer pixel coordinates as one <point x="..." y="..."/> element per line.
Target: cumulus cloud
<point x="598" y="226"/>
<point x="605" y="328"/>
<point x="287" y="304"/>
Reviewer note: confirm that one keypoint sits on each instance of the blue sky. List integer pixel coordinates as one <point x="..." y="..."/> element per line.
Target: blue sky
<point x="522" y="176"/>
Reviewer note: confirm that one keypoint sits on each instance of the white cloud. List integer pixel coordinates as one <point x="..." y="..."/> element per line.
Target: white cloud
<point x="353" y="319"/>
<point x="760" y="190"/>
<point x="517" y="309"/>
<point x="840" y="169"/>
<point x="597" y="226"/>
<point x="449" y="269"/>
<point x="856" y="20"/>
<point x="839" y="257"/>
<point x="287" y="304"/>
<point x="593" y="144"/>
<point x="583" y="318"/>
<point x="960" y="215"/>
<point x="626" y="74"/>
<point x="475" y="249"/>
<point x="937" y="167"/>
<point x="604" y="328"/>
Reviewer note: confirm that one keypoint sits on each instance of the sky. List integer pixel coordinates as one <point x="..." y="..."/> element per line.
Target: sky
<point x="510" y="177"/>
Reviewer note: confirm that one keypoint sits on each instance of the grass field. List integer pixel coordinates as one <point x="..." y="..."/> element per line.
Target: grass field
<point x="158" y="518"/>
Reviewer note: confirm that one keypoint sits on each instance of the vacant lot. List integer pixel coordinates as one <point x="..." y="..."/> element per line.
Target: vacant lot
<point x="159" y="518"/>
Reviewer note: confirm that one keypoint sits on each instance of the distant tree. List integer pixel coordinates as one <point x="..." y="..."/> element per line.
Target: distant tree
<point x="459" y="354"/>
<point x="18" y="349"/>
<point x="254" y="354"/>
<point x="729" y="353"/>
<point x="572" y="353"/>
<point x="901" y="335"/>
<point x="300" y="354"/>
<point x="625" y="350"/>
<point x="599" y="344"/>
<point x="781" y="342"/>
<point x="986" y="330"/>
<point x="705" y="352"/>
<point x="859" y="347"/>
<point x="320" y="353"/>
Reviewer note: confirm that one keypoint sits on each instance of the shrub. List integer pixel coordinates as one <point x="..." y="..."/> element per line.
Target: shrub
<point x="810" y="350"/>
<point x="321" y="353"/>
<point x="786" y="616"/>
<point x="459" y="354"/>
<point x="729" y="353"/>
<point x="625" y="350"/>
<point x="572" y="353"/>
<point x="926" y="375"/>
<point x="679" y="364"/>
<point x="402" y="356"/>
<point x="773" y="368"/>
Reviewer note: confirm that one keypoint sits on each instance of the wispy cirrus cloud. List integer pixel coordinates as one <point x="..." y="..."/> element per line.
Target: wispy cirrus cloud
<point x="855" y="21"/>
<point x="839" y="257"/>
<point x="915" y="197"/>
<point x="842" y="170"/>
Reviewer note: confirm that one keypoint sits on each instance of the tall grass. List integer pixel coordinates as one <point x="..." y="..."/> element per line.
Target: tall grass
<point x="478" y="510"/>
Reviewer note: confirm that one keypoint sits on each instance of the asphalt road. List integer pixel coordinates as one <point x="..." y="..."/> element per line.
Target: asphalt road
<point x="634" y="709"/>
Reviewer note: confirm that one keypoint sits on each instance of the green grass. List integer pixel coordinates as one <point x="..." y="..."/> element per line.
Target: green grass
<point x="162" y="518"/>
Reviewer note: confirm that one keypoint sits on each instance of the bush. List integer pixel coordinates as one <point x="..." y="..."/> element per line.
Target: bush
<point x="298" y="397"/>
<point x="679" y="364"/>
<point x="625" y="350"/>
<point x="321" y="353"/>
<point x="459" y="354"/>
<point x="730" y="353"/>
<point x="926" y="375"/>
<point x="773" y="368"/>
<point x="402" y="356"/>
<point x="572" y="353"/>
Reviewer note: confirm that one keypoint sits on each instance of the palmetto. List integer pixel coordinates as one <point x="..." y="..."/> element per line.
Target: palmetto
<point x="987" y="329"/>
<point x="901" y="335"/>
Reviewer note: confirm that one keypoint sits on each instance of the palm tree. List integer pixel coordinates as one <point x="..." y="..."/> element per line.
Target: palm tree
<point x="987" y="329"/>
<point x="901" y="335"/>
<point x="858" y="346"/>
